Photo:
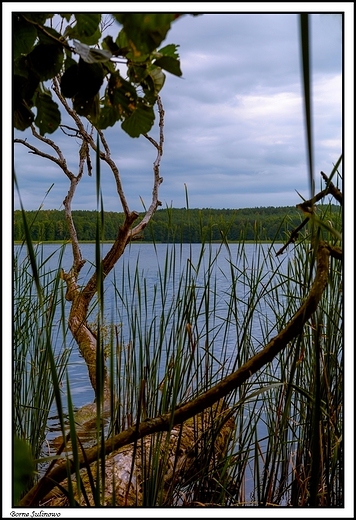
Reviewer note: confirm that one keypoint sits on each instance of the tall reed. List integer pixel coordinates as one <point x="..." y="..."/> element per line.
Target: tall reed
<point x="39" y="332"/>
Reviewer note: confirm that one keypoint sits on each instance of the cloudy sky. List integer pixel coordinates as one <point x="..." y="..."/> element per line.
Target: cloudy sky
<point x="234" y="126"/>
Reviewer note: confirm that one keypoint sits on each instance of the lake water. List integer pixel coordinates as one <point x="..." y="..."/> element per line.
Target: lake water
<point x="147" y="280"/>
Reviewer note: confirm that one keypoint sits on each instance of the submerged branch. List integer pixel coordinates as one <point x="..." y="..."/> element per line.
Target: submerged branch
<point x="207" y="399"/>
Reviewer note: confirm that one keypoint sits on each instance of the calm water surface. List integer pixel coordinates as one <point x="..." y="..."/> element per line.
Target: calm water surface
<point x="139" y="273"/>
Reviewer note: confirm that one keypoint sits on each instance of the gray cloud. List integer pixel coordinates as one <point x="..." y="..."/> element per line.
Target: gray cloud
<point x="234" y="128"/>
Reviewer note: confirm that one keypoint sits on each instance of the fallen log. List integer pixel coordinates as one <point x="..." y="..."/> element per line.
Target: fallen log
<point x="158" y="464"/>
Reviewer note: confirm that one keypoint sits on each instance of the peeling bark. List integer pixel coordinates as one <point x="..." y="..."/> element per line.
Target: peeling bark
<point x="179" y="451"/>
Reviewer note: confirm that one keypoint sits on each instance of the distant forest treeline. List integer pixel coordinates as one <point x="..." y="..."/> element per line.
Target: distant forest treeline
<point x="172" y="225"/>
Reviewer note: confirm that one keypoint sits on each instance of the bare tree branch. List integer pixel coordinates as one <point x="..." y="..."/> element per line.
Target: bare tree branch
<point x="308" y="209"/>
<point x="105" y="156"/>
<point x="156" y="171"/>
<point x="61" y="41"/>
<point x="308" y="205"/>
<point x="72" y="113"/>
<point x="293" y="236"/>
<point x="333" y="189"/>
<point x="60" y="160"/>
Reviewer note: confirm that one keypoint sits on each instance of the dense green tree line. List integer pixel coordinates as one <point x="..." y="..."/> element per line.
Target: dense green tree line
<point x="173" y="224"/>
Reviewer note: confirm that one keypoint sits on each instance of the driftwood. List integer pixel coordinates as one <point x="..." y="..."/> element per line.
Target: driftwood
<point x="199" y="445"/>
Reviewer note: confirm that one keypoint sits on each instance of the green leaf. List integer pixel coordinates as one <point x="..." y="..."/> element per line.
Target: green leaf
<point x="145" y="32"/>
<point x="86" y="30"/>
<point x="23" y="117"/>
<point x="24" y="36"/>
<point x="91" y="55"/>
<point x="46" y="60"/>
<point x="20" y="67"/>
<point x="122" y="94"/>
<point x="139" y="122"/>
<point x="158" y="78"/>
<point x="146" y="21"/>
<point x="38" y="17"/>
<point x="23" y="468"/>
<point x="109" y="44"/>
<point x="169" y="50"/>
<point x="87" y="107"/>
<point x="69" y="62"/>
<point x="82" y="82"/>
<point x="88" y="23"/>
<point x="23" y="92"/>
<point x="90" y="78"/>
<point x="48" y="114"/>
<point x="108" y="117"/>
<point x="69" y="82"/>
<point x="93" y="39"/>
<point x="122" y="40"/>
<point x="24" y="88"/>
<point x="46" y="38"/>
<point x="169" y="64"/>
<point x="137" y="73"/>
<point x="108" y="67"/>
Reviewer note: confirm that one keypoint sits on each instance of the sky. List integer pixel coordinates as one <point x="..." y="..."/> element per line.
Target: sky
<point x="234" y="122"/>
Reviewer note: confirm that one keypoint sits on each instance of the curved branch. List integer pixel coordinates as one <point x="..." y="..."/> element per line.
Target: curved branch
<point x="60" y="160"/>
<point x="307" y="207"/>
<point x="333" y="189"/>
<point x="70" y="111"/>
<point x="104" y="156"/>
<point x="208" y="398"/>
<point x="293" y="236"/>
<point x="78" y="261"/>
<point x="81" y="298"/>
<point x="157" y="180"/>
<point x="107" y="158"/>
<point x="61" y="41"/>
<point x="109" y="260"/>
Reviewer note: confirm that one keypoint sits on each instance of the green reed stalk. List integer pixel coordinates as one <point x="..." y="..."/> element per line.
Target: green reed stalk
<point x="39" y="342"/>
